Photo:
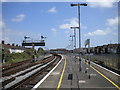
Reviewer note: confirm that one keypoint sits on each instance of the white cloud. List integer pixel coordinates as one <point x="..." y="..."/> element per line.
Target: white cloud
<point x="101" y="3"/>
<point x="12" y="35"/>
<point x="112" y="21"/>
<point x="53" y="29"/>
<point x="5" y="0"/>
<point x="73" y="22"/>
<point x="52" y="0"/>
<point x="2" y="24"/>
<point x="67" y="35"/>
<point x="98" y="32"/>
<point x="67" y="32"/>
<point x="19" y="18"/>
<point x="54" y="32"/>
<point x="6" y="39"/>
<point x="70" y="23"/>
<point x="83" y="26"/>
<point x="52" y="10"/>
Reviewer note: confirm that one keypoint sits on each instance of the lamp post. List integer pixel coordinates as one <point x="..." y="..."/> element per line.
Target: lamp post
<point x="72" y="41"/>
<point x="74" y="35"/>
<point x="72" y="5"/>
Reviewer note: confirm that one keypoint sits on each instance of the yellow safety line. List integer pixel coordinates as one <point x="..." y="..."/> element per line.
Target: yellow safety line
<point x="61" y="77"/>
<point x="105" y="77"/>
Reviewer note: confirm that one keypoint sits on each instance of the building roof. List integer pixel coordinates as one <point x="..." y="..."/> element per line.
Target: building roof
<point x="12" y="47"/>
<point x="62" y="49"/>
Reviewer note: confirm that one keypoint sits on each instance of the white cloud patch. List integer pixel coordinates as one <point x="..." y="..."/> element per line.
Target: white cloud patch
<point x="12" y="35"/>
<point x="19" y="18"/>
<point x="6" y="39"/>
<point x="52" y="10"/>
<point x="53" y="0"/>
<point x="2" y="24"/>
<point x="112" y="21"/>
<point x="67" y="35"/>
<point x="3" y="0"/>
<point x="73" y="22"/>
<point x="112" y="28"/>
<point x="98" y="32"/>
<point x="101" y="3"/>
<point x="53" y="30"/>
<point x="70" y="23"/>
<point x="67" y="32"/>
<point x="83" y="26"/>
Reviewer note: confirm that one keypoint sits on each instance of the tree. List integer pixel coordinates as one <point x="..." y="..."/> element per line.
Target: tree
<point x="41" y="51"/>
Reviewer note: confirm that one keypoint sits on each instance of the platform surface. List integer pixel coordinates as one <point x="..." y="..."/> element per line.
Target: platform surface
<point x="74" y="79"/>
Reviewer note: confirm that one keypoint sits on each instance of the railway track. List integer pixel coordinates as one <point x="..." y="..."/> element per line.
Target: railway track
<point x="28" y="77"/>
<point x="13" y="65"/>
<point x="20" y="66"/>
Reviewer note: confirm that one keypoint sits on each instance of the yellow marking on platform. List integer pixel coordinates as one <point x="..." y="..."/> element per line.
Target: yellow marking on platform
<point x="61" y="77"/>
<point x="104" y="76"/>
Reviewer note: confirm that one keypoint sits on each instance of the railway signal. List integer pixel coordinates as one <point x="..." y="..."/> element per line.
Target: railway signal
<point x="33" y="43"/>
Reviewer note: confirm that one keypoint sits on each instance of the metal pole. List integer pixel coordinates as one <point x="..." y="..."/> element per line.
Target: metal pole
<point x="89" y="57"/>
<point x="33" y="46"/>
<point x="72" y="44"/>
<point x="75" y="37"/>
<point x="75" y="43"/>
<point x="80" y="65"/>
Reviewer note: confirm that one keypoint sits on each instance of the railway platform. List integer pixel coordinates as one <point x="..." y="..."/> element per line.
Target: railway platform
<point x="67" y="76"/>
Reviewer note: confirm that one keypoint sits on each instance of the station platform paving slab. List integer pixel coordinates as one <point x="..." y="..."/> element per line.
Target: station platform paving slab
<point x="73" y="79"/>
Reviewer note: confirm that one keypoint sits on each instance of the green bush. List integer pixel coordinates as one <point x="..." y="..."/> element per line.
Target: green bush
<point x="16" y="57"/>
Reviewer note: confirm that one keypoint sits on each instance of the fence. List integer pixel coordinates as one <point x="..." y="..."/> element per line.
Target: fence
<point x="111" y="61"/>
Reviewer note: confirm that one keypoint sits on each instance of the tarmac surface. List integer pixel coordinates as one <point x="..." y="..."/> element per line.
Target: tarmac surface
<point x="67" y="76"/>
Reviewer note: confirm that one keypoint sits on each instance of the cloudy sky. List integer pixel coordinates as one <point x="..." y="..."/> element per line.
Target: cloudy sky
<point x="99" y="22"/>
